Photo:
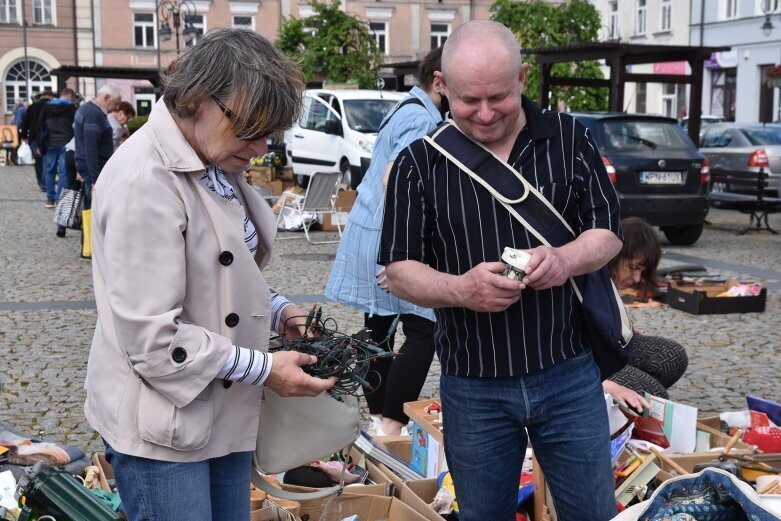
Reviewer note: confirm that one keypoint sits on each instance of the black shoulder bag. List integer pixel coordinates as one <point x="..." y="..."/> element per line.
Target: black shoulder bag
<point x="608" y="328"/>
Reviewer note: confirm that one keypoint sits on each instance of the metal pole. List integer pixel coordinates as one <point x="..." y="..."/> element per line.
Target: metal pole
<point x="28" y="94"/>
<point x="157" y="35"/>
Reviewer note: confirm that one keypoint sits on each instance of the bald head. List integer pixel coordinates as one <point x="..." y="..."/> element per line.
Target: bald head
<point x="479" y="39"/>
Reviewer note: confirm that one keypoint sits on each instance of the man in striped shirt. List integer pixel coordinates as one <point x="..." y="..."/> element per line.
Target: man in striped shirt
<point x="516" y="364"/>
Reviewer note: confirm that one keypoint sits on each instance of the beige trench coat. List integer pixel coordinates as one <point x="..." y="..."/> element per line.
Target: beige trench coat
<point x="176" y="287"/>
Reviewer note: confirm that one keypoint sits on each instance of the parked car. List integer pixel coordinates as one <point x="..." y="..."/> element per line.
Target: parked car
<point x="705" y="121"/>
<point x="657" y="171"/>
<point x="337" y="130"/>
<point x="745" y="147"/>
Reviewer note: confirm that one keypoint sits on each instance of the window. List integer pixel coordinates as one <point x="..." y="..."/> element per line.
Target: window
<point x="246" y="22"/>
<point x="43" y="12"/>
<point x="8" y="12"/>
<point x="144" y="30"/>
<point x="16" y="82"/>
<point x="666" y="22"/>
<point x="731" y="9"/>
<point x="198" y="21"/>
<point x="669" y="100"/>
<point x="380" y="32"/>
<point x="613" y="20"/>
<point x="640" y="18"/>
<point x="439" y="33"/>
<point x="641" y="98"/>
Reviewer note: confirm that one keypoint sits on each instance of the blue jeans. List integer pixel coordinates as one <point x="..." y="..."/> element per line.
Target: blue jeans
<point x="211" y="490"/>
<point x="54" y="163"/>
<point x="562" y="409"/>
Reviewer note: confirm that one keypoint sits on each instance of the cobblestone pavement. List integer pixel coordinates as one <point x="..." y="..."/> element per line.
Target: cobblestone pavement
<point x="47" y="315"/>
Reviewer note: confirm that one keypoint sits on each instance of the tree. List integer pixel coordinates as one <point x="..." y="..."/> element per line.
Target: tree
<point x="332" y="45"/>
<point x="536" y="23"/>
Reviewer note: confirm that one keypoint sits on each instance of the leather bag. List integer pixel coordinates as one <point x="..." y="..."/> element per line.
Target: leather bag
<point x="294" y="431"/>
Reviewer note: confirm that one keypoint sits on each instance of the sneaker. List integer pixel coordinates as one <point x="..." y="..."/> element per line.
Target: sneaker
<point x="60" y="231"/>
<point x="49" y="204"/>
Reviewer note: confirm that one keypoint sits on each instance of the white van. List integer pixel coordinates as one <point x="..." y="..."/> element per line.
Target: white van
<point x="336" y="131"/>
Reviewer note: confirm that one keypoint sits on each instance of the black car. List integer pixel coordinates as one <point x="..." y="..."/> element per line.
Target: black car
<point x="657" y="171"/>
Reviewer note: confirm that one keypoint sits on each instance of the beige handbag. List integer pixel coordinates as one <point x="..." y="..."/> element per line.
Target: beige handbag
<point x="296" y="430"/>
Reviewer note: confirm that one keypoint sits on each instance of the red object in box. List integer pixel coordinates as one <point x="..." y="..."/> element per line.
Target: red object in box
<point x="767" y="438"/>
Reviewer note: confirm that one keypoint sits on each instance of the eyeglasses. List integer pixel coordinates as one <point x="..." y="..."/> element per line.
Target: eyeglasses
<point x="244" y="135"/>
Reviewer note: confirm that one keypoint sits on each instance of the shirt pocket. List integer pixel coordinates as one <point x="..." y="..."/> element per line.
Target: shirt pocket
<point x="180" y="428"/>
<point x="561" y="196"/>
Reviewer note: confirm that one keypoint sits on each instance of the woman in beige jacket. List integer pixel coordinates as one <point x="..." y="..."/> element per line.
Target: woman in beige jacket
<point x="179" y="358"/>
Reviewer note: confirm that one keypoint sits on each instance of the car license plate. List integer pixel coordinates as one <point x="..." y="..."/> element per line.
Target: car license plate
<point x="661" y="178"/>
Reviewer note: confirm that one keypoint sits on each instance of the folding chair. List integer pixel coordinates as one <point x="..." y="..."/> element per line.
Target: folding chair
<point x="319" y="199"/>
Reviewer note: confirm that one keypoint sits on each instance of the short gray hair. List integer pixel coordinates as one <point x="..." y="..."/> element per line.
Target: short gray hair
<point x="245" y="71"/>
<point x="482" y="29"/>
<point x="111" y="90"/>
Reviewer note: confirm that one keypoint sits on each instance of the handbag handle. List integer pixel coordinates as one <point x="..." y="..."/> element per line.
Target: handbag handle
<point x="260" y="482"/>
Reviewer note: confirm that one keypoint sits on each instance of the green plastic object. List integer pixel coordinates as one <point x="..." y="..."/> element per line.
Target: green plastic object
<point x="54" y="492"/>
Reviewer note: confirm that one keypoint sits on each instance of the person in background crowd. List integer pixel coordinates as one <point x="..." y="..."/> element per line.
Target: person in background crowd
<point x="516" y="362"/>
<point x="70" y="172"/>
<point x="354" y="276"/>
<point x="178" y="362"/>
<point x="118" y="119"/>
<point x="56" y="131"/>
<point x="30" y="132"/>
<point x="17" y="120"/>
<point x="19" y="112"/>
<point x="94" y="136"/>
<point x="656" y="363"/>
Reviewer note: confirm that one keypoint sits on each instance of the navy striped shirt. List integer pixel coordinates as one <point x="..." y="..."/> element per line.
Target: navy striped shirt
<point x="438" y="215"/>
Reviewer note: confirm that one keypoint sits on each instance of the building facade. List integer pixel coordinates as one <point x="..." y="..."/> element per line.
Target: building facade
<point x="150" y="33"/>
<point x="753" y="29"/>
<point x="37" y="36"/>
<point x="657" y="22"/>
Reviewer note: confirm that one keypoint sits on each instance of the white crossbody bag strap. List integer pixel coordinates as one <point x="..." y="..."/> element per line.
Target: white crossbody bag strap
<point x="528" y="189"/>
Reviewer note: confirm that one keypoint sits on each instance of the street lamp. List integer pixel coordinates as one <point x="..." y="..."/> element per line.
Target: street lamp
<point x="175" y="11"/>
<point x="767" y="10"/>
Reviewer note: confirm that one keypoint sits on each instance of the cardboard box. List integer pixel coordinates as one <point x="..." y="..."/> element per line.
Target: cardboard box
<point x="703" y="300"/>
<point x="105" y="472"/>
<point x="344" y="203"/>
<point x="428" y="443"/>
<point x="284" y="173"/>
<point x="364" y="506"/>
<point x="418" y="494"/>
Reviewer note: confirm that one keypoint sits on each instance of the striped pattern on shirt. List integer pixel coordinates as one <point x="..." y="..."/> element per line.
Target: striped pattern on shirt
<point x="438" y="215"/>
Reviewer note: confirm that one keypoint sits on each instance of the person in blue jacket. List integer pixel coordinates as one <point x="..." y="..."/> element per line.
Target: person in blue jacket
<point x="358" y="281"/>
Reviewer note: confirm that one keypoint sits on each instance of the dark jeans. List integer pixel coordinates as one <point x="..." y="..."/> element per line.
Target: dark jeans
<point x="399" y="379"/>
<point x="38" y="164"/>
<point x="563" y="410"/>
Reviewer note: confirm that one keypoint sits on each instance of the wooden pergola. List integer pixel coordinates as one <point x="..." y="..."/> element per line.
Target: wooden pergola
<point x="117" y="73"/>
<point x="617" y="56"/>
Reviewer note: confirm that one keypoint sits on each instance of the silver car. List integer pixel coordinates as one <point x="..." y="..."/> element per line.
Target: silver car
<point x="744" y="147"/>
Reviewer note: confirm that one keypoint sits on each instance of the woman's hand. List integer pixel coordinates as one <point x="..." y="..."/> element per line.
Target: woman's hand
<point x="625" y="396"/>
<point x="292" y="324"/>
<point x="288" y="379"/>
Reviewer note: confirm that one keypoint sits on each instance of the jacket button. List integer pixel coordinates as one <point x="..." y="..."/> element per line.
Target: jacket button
<point x="226" y="384"/>
<point x="232" y="320"/>
<point x="226" y="258"/>
<point x="179" y="355"/>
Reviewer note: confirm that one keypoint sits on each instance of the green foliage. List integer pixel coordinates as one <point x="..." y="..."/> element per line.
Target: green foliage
<point x="135" y="123"/>
<point x="539" y="24"/>
<point x="332" y="45"/>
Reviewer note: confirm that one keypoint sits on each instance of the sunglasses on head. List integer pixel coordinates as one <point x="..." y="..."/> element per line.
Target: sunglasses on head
<point x="244" y="135"/>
